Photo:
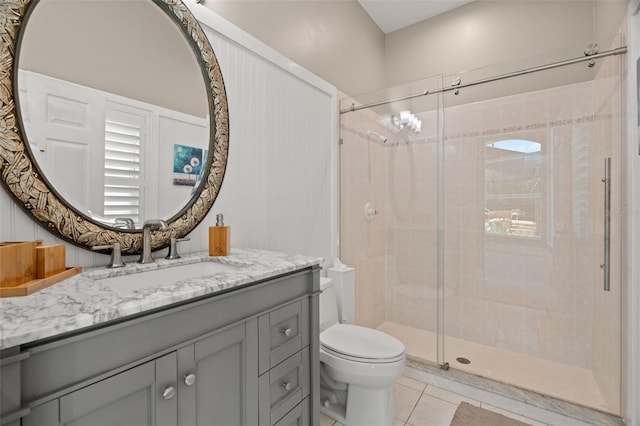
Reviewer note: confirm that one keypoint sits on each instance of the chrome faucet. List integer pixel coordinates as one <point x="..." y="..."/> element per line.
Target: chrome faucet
<point x="116" y="254"/>
<point x="173" y="247"/>
<point x="150" y="225"/>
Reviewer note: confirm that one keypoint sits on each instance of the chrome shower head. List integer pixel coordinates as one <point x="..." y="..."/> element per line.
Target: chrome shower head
<point x="380" y="138"/>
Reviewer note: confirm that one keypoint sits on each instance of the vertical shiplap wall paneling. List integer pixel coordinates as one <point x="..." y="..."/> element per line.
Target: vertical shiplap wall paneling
<point x="7" y="207"/>
<point x="24" y="229"/>
<point x="280" y="188"/>
<point x="297" y="205"/>
<point x="299" y="191"/>
<point x="241" y="198"/>
<point x="288" y="139"/>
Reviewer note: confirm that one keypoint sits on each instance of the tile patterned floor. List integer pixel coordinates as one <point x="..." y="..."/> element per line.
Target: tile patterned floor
<point x="422" y="404"/>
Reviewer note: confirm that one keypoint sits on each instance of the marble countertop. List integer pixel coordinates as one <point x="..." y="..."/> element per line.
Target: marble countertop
<point x="83" y="300"/>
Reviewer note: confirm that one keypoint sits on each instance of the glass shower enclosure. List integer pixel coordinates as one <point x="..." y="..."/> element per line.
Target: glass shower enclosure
<point x="474" y="210"/>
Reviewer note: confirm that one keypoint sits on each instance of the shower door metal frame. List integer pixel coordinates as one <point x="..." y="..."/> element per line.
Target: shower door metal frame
<point x="457" y="85"/>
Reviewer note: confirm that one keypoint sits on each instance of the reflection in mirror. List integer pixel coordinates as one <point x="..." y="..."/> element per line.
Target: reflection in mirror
<point x="157" y="96"/>
<point x="514" y="171"/>
<point x="113" y="101"/>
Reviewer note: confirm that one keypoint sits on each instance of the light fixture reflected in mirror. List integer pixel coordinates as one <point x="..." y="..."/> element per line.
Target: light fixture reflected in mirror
<point x="407" y="120"/>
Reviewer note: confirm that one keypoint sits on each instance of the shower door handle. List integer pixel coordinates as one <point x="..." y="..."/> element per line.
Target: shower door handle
<point x="607" y="223"/>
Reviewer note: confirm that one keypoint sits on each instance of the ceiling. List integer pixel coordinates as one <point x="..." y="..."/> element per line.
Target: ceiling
<point x="392" y="15"/>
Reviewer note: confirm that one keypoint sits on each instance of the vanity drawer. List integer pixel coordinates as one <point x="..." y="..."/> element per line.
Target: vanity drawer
<point x="11" y="385"/>
<point x="299" y="416"/>
<point x="284" y="387"/>
<point x="282" y="333"/>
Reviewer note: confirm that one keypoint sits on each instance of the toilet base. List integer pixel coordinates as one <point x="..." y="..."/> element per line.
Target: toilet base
<point x="364" y="407"/>
<point x="370" y="407"/>
<point x="336" y="411"/>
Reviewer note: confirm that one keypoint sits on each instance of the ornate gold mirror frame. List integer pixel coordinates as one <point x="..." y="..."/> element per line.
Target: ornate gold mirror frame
<point x="23" y="179"/>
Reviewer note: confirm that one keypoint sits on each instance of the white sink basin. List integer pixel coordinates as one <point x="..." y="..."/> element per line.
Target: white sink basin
<point x="143" y="280"/>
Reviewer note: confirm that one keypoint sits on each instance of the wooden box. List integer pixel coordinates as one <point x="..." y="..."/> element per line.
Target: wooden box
<point x="18" y="262"/>
<point x="50" y="260"/>
<point x="26" y="267"/>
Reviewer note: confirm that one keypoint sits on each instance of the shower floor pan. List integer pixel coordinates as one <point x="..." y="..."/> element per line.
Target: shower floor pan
<point x="561" y="381"/>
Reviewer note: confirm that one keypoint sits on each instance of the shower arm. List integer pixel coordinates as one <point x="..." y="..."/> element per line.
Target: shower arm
<point x="381" y="138"/>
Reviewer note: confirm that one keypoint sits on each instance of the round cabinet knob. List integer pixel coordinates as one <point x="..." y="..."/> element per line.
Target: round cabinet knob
<point x="169" y="392"/>
<point x="287" y="331"/>
<point x="189" y="379"/>
<point x="287" y="386"/>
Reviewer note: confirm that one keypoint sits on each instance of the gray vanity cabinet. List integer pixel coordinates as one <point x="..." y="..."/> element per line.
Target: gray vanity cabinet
<point x="128" y="398"/>
<point x="218" y="379"/>
<point x="243" y="358"/>
<point x="284" y="361"/>
<point x="210" y="382"/>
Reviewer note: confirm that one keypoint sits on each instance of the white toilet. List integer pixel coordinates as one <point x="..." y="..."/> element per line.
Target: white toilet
<point x="358" y="366"/>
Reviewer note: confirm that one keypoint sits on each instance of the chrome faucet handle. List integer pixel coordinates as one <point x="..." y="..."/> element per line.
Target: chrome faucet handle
<point x="116" y="254"/>
<point x="125" y="222"/>
<point x="155" y="224"/>
<point x="173" y="247"/>
<point x="147" y="227"/>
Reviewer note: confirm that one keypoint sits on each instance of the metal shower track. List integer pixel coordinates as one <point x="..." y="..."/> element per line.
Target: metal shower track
<point x="586" y="58"/>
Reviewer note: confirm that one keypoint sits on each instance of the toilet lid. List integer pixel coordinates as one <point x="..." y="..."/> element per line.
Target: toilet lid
<point x="361" y="342"/>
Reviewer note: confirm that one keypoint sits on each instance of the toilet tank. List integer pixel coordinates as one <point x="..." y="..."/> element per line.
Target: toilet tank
<point x="344" y="287"/>
<point x="328" y="304"/>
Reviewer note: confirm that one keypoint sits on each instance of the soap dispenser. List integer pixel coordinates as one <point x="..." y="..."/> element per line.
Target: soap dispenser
<point x="219" y="238"/>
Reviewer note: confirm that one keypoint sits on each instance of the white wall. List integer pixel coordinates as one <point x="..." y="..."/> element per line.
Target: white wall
<point x="337" y="40"/>
<point x="279" y="192"/>
<point x="484" y="33"/>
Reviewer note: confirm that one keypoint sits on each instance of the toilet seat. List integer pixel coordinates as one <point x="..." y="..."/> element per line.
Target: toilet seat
<point x="358" y="360"/>
<point x="361" y="344"/>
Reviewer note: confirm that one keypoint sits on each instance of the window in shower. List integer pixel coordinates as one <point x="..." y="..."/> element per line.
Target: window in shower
<point x="514" y="179"/>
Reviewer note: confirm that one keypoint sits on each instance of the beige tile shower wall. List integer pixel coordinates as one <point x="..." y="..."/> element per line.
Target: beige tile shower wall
<point x="411" y="197"/>
<point x="363" y="241"/>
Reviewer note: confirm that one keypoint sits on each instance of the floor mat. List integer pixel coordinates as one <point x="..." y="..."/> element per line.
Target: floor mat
<point x="470" y="415"/>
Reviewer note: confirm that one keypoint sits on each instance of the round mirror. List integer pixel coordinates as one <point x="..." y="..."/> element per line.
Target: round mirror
<point x="122" y="118"/>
